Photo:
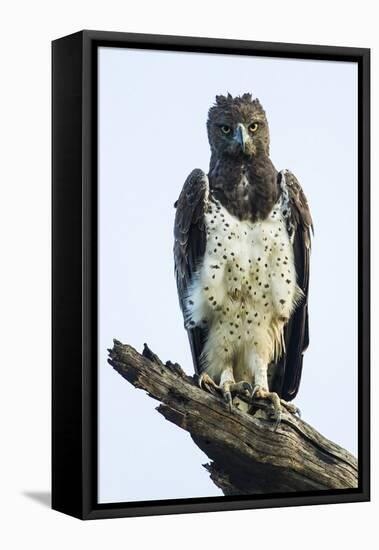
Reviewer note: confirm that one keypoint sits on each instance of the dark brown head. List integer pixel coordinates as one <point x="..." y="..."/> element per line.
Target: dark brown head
<point x="237" y="127"/>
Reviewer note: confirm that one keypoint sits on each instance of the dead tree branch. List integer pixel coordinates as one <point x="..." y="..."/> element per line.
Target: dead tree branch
<point x="247" y="456"/>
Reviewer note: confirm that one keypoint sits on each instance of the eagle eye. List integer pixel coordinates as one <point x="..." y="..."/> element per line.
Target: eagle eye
<point x="253" y="127"/>
<point x="225" y="129"/>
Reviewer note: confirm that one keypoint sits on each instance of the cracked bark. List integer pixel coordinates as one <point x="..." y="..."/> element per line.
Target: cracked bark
<point x="246" y="455"/>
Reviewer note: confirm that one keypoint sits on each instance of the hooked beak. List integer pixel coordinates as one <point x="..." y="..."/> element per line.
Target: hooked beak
<point x="241" y="136"/>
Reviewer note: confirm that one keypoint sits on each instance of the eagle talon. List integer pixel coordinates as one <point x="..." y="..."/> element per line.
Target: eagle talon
<point x="291" y="408"/>
<point x="205" y="381"/>
<point x="261" y="393"/>
<point x="242" y="388"/>
<point x="229" y="388"/>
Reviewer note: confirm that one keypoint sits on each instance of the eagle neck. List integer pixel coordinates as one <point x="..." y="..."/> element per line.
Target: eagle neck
<point x="247" y="188"/>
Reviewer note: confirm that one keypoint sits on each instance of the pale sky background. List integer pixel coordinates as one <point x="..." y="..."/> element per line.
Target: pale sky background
<point x="152" y="114"/>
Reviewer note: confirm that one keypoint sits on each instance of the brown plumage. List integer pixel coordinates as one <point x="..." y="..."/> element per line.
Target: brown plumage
<point x="231" y="169"/>
<point x="243" y="180"/>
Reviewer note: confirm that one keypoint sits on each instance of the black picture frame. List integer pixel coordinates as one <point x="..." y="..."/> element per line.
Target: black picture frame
<point x="74" y="271"/>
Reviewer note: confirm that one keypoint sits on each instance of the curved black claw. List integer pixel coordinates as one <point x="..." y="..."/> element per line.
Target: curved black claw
<point x="242" y="388"/>
<point x="291" y="408"/>
<point x="228" y="398"/>
<point x="254" y="391"/>
<point x="205" y="381"/>
<point x="278" y="419"/>
<point x="247" y="388"/>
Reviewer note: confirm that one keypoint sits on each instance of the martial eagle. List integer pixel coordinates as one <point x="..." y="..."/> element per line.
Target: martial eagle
<point x="242" y="247"/>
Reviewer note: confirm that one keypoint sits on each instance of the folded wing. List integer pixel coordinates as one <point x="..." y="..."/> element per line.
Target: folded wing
<point x="189" y="247"/>
<point x="296" y="336"/>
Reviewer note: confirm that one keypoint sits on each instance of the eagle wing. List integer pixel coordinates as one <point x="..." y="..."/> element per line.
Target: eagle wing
<point x="296" y="333"/>
<point x="189" y="247"/>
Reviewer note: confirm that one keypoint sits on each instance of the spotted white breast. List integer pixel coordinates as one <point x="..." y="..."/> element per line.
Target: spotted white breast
<point x="245" y="289"/>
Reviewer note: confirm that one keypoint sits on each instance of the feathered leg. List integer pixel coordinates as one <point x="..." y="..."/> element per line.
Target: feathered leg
<point x="217" y="360"/>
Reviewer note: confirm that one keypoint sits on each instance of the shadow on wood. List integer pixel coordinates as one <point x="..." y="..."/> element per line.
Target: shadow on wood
<point x="247" y="456"/>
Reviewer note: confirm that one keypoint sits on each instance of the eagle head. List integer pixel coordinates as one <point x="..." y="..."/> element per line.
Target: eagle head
<point x="237" y="127"/>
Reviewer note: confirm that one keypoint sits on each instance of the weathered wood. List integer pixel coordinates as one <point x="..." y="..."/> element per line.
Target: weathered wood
<point x="247" y="456"/>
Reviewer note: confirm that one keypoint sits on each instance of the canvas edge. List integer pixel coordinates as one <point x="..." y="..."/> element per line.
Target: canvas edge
<point x="83" y="378"/>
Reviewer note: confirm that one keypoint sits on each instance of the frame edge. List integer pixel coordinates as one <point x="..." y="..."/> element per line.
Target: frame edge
<point x="67" y="425"/>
